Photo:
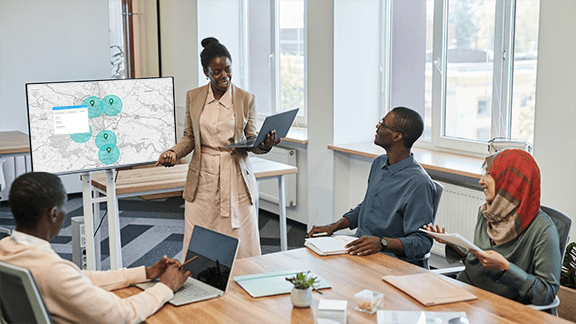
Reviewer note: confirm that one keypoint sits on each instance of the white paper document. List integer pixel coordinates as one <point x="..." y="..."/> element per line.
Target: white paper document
<point x="454" y="239"/>
<point x="417" y="317"/>
<point x="329" y="245"/>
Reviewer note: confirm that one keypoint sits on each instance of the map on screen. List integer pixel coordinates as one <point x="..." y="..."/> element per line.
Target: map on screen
<point x="92" y="125"/>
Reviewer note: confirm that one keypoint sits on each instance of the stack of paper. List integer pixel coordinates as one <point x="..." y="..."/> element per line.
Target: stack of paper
<point x="329" y="245"/>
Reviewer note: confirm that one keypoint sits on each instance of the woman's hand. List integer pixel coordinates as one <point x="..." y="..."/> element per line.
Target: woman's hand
<point x="269" y="141"/>
<point x="430" y="227"/>
<point x="491" y="260"/>
<point x="167" y="159"/>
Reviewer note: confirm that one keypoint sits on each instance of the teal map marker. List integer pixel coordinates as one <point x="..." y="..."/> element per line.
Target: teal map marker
<point x="82" y="137"/>
<point x="94" y="105"/>
<point x="109" y="154"/>
<point x="112" y="105"/>
<point x="106" y="137"/>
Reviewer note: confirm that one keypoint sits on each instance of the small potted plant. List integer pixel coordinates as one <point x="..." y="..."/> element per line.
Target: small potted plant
<point x="301" y="295"/>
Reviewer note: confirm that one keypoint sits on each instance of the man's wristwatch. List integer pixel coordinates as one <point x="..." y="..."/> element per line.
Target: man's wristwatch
<point x="384" y="243"/>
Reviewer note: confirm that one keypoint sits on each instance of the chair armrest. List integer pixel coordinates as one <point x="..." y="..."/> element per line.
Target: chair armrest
<point x="553" y="304"/>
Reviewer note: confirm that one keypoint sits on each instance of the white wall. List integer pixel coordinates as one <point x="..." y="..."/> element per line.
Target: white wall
<point x="356" y="60"/>
<point x="221" y="19"/>
<point x="40" y="41"/>
<point x="320" y="35"/>
<point x="180" y="53"/>
<point x="55" y="40"/>
<point x="555" y="112"/>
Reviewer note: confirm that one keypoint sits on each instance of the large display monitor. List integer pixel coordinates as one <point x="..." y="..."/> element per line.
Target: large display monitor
<point x="94" y="125"/>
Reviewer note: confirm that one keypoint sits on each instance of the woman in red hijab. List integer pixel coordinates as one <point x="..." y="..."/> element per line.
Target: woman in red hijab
<point x="521" y="258"/>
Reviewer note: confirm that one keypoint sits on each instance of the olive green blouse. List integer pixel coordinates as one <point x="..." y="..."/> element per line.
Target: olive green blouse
<point x="535" y="263"/>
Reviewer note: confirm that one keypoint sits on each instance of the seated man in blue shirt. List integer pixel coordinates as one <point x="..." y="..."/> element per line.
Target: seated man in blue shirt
<point x="399" y="199"/>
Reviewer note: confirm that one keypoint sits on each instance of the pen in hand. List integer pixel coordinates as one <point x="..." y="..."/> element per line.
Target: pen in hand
<point x="185" y="263"/>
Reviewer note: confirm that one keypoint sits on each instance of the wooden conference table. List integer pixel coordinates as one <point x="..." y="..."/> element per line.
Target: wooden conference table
<point x="143" y="181"/>
<point x="348" y="275"/>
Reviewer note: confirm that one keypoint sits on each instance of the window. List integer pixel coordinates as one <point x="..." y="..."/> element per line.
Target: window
<point x="133" y="39"/>
<point x="468" y="66"/>
<point x="275" y="34"/>
<point x="486" y="54"/>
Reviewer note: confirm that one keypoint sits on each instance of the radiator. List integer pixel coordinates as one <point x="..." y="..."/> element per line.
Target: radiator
<point x="458" y="211"/>
<point x="269" y="188"/>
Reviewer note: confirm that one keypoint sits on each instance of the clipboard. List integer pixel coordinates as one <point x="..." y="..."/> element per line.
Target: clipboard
<point x="456" y="239"/>
<point x="273" y="283"/>
<point x="429" y="289"/>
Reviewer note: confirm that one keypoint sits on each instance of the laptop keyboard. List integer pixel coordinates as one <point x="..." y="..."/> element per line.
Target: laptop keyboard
<point x="190" y="290"/>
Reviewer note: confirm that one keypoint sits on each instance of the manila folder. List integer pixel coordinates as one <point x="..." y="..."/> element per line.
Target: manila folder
<point x="429" y="289"/>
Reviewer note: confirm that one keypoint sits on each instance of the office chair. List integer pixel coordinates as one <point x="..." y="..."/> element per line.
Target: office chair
<point x="439" y="189"/>
<point x="20" y="299"/>
<point x="563" y="223"/>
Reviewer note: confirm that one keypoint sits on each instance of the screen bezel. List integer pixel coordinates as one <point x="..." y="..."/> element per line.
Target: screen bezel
<point x="102" y="168"/>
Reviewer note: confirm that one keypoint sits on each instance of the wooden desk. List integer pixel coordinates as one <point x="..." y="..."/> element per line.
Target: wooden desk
<point x="143" y="181"/>
<point x="13" y="144"/>
<point x="347" y="275"/>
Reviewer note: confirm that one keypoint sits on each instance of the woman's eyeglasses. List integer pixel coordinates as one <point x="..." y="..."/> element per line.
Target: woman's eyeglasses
<point x="483" y="170"/>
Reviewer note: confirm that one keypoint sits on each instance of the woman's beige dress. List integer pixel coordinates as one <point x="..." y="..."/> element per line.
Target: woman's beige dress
<point x="222" y="202"/>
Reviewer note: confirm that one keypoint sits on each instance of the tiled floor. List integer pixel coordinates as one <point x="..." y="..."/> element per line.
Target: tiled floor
<point x="153" y="228"/>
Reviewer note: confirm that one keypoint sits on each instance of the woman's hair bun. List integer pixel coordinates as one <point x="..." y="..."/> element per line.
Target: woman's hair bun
<point x="209" y="40"/>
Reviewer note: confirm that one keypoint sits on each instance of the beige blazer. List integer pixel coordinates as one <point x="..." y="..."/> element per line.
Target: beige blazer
<point x="245" y="118"/>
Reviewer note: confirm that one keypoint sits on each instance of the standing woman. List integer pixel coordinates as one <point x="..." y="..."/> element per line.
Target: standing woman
<point x="220" y="186"/>
<point x="522" y="259"/>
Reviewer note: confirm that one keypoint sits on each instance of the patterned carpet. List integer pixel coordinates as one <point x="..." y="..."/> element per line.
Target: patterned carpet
<point x="151" y="229"/>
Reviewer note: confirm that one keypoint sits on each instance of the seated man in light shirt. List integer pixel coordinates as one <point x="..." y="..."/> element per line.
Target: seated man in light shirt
<point x="70" y="294"/>
<point x="399" y="199"/>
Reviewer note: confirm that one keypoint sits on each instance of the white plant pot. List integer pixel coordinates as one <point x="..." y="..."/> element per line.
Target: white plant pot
<point x="301" y="297"/>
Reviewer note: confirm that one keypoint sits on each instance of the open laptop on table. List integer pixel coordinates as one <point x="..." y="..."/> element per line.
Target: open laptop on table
<point x="210" y="271"/>
<point x="280" y="122"/>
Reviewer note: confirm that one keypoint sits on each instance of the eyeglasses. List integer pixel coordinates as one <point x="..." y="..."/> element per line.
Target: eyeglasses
<point x="381" y="123"/>
<point x="483" y="170"/>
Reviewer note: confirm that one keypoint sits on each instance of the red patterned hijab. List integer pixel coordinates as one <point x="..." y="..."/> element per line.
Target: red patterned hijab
<point x="517" y="200"/>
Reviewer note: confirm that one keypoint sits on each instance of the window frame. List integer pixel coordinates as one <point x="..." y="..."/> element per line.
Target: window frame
<point x="274" y="60"/>
<point x="502" y="82"/>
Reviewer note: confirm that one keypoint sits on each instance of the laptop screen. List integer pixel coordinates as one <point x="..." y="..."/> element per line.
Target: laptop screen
<point x="216" y="253"/>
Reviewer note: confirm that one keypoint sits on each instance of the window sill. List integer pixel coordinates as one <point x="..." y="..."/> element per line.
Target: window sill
<point x="449" y="163"/>
<point x="297" y="135"/>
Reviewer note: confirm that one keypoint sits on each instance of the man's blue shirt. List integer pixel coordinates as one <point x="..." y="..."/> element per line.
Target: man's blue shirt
<point x="399" y="200"/>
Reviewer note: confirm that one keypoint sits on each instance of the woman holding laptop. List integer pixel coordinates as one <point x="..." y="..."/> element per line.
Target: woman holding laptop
<point x="521" y="258"/>
<point x="220" y="189"/>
